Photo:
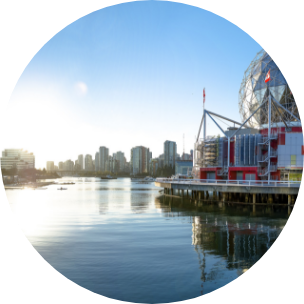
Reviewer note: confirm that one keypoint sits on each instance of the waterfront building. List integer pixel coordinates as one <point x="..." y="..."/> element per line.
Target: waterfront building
<point x="97" y="161"/>
<point x="268" y="145"/>
<point x="88" y="162"/>
<point x="80" y="161"/>
<point x="103" y="157"/>
<point x="183" y="167"/>
<point x="139" y="160"/>
<point x="169" y="153"/>
<point x="50" y="166"/>
<point x="17" y="158"/>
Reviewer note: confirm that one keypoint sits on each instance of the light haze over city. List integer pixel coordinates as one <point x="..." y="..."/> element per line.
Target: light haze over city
<point x="126" y="76"/>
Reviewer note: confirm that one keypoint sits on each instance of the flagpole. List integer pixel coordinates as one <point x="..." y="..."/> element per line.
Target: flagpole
<point x="204" y="114"/>
<point x="269" y="128"/>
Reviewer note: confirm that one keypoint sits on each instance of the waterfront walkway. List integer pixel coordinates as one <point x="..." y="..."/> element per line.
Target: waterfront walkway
<point x="255" y="191"/>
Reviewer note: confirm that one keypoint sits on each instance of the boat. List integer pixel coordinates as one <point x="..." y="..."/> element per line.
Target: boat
<point x="62" y="188"/>
<point x="108" y="177"/>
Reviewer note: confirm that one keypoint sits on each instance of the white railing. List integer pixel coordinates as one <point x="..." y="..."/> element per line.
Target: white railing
<point x="264" y="183"/>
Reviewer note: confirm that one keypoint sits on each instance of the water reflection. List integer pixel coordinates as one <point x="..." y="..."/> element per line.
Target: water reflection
<point x="125" y="241"/>
<point x="236" y="236"/>
<point x="139" y="203"/>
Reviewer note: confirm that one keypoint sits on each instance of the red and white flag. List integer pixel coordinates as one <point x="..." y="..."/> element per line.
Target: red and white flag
<point x="267" y="77"/>
<point x="204" y="95"/>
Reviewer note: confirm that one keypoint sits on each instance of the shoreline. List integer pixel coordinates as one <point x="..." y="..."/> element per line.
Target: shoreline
<point x="28" y="185"/>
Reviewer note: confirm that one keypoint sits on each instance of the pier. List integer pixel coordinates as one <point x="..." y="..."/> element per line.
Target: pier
<point x="248" y="191"/>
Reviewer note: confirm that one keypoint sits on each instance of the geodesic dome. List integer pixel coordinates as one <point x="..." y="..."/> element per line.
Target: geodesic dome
<point x="254" y="91"/>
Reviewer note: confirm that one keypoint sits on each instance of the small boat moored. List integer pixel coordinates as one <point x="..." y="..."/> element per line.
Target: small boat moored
<point x="108" y="177"/>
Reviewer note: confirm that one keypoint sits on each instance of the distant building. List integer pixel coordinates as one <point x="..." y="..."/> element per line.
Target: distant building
<point x="17" y="158"/>
<point x="161" y="160"/>
<point x="97" y="161"/>
<point x="80" y="161"/>
<point x="60" y="166"/>
<point x="120" y="157"/>
<point x="127" y="168"/>
<point x="68" y="165"/>
<point x="88" y="163"/>
<point x="50" y="166"/>
<point x="183" y="166"/>
<point x="169" y="153"/>
<point x="140" y="157"/>
<point x="187" y="156"/>
<point x="103" y="157"/>
<point x="153" y="166"/>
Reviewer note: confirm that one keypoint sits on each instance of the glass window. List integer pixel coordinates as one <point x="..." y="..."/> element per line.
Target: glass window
<point x="293" y="160"/>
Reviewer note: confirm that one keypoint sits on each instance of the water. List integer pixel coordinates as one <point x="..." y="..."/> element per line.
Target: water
<point x="126" y="241"/>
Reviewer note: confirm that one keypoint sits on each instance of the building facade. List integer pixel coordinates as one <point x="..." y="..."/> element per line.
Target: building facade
<point x="17" y="158"/>
<point x="103" y="157"/>
<point x="169" y="153"/>
<point x="68" y="165"/>
<point x="120" y="157"/>
<point x="153" y="166"/>
<point x="183" y="167"/>
<point x="88" y="163"/>
<point x="97" y="161"/>
<point x="80" y="161"/>
<point x="140" y="157"/>
<point x="50" y="166"/>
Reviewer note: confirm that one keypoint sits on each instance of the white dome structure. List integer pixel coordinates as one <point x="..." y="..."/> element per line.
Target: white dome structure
<point x="254" y="91"/>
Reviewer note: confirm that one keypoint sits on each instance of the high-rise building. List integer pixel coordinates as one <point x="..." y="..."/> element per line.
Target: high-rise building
<point x="97" y="161"/>
<point x="50" y="166"/>
<point x="140" y="157"/>
<point x="68" y="165"/>
<point x="17" y="158"/>
<point x="80" y="161"/>
<point x="169" y="153"/>
<point x="88" y="162"/>
<point x="103" y="157"/>
<point x="121" y="160"/>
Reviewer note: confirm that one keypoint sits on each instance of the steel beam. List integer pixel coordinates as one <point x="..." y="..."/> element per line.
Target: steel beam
<point x="216" y="123"/>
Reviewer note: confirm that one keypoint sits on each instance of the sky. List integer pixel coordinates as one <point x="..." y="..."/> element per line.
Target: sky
<point x="128" y="75"/>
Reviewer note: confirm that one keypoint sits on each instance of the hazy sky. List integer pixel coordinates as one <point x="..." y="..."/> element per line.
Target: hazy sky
<point x="128" y="75"/>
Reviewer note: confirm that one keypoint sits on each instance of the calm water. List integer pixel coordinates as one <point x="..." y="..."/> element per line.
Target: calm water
<point x="126" y="241"/>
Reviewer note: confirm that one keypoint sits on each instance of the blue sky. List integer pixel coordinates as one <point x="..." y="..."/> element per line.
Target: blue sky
<point x="127" y="75"/>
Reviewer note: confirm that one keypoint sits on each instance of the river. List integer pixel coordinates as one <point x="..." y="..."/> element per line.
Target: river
<point x="127" y="241"/>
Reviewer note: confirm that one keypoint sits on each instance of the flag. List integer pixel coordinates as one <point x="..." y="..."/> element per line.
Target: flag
<point x="204" y="95"/>
<point x="267" y="77"/>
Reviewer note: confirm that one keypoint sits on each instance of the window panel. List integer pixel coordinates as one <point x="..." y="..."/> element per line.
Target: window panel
<point x="293" y="160"/>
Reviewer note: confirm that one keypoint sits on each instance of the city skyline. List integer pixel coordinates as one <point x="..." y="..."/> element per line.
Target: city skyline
<point x="106" y="76"/>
